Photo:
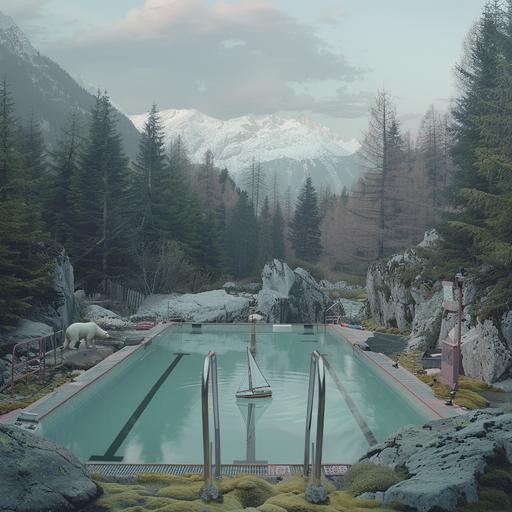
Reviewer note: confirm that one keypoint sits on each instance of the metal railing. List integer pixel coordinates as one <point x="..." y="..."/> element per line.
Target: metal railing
<point x="30" y="357"/>
<point x="337" y="312"/>
<point x="210" y="490"/>
<point x="316" y="372"/>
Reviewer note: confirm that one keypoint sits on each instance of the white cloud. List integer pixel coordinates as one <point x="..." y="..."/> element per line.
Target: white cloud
<point x="244" y="56"/>
<point x="22" y="10"/>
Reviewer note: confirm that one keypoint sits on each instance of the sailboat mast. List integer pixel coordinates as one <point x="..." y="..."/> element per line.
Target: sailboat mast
<point x="249" y="369"/>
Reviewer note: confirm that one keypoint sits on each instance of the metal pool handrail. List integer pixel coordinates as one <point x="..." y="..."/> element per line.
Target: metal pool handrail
<point x="316" y="370"/>
<point x="210" y="373"/>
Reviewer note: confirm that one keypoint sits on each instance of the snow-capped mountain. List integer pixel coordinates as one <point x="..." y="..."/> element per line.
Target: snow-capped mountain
<point x="293" y="148"/>
<point x="14" y="39"/>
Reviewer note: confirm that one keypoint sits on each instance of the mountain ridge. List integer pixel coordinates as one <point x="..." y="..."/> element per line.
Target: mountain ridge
<point x="293" y="148"/>
<point x="39" y="86"/>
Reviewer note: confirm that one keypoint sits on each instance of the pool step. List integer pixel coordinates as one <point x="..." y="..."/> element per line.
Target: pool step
<point x="263" y="470"/>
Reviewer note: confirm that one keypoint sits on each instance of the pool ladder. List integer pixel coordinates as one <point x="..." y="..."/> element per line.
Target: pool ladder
<point x="315" y="492"/>
<point x="210" y="491"/>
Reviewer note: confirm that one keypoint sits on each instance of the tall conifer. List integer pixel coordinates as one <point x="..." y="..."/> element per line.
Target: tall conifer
<point x="305" y="226"/>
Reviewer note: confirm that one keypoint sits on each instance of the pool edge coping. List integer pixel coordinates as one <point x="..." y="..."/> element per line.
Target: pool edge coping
<point x="434" y="405"/>
<point x="71" y="389"/>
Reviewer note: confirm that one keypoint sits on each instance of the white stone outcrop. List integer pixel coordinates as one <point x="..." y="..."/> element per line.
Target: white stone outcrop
<point x="400" y="296"/>
<point x="443" y="459"/>
<point x="211" y="306"/>
<point x="484" y="355"/>
<point x="289" y="296"/>
<point x="388" y="285"/>
<point x="105" y="318"/>
<point x="62" y="311"/>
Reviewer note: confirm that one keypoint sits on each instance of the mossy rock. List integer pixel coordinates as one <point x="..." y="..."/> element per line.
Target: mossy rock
<point x="496" y="499"/>
<point x="117" y="488"/>
<point x="120" y="501"/>
<point x="296" y="485"/>
<point x="155" y="478"/>
<point x="189" y="492"/>
<point x="268" y="507"/>
<point x="298" y="503"/>
<point x="362" y="478"/>
<point x="252" y="491"/>
<point x="497" y="479"/>
<point x="343" y="500"/>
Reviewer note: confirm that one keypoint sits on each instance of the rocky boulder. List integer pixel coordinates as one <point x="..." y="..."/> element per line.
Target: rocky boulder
<point x="443" y="459"/>
<point x="428" y="315"/>
<point x="62" y="309"/>
<point x="401" y="295"/>
<point x="388" y="284"/>
<point x="85" y="358"/>
<point x="27" y="330"/>
<point x="290" y="296"/>
<point x="485" y="355"/>
<point x="355" y="311"/>
<point x="212" y="306"/>
<point x="105" y="318"/>
<point x="36" y="474"/>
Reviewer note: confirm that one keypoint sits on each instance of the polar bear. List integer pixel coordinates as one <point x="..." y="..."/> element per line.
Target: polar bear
<point x="88" y="331"/>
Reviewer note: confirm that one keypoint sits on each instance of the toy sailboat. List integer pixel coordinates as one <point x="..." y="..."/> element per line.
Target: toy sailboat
<point x="254" y="384"/>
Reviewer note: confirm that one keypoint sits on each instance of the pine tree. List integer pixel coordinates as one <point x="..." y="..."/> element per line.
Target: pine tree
<point x="24" y="266"/>
<point x="380" y="150"/>
<point x="149" y="177"/>
<point x="243" y="237"/>
<point x="305" y="226"/>
<point x="476" y="130"/>
<point x="59" y="208"/>
<point x="265" y="233"/>
<point x="33" y="152"/>
<point x="100" y="191"/>
<point x="278" y="248"/>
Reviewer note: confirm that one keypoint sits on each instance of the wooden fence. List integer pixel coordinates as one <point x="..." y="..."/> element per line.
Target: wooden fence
<point x="117" y="292"/>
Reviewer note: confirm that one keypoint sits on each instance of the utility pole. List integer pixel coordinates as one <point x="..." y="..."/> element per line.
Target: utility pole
<point x="450" y="364"/>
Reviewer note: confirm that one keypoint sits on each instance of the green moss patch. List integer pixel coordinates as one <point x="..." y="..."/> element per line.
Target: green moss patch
<point x="362" y="478"/>
<point x="468" y="395"/>
<point x="162" y="493"/>
<point x="494" y="487"/>
<point x="31" y="390"/>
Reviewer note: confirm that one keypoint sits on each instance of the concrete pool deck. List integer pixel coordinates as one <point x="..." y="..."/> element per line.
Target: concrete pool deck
<point x="418" y="390"/>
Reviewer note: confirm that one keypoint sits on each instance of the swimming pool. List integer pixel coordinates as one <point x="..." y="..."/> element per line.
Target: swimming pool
<point x="148" y="408"/>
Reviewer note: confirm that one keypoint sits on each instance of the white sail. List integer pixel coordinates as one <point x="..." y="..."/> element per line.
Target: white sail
<point x="254" y="383"/>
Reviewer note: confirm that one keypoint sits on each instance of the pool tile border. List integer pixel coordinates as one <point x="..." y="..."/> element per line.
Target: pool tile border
<point x="129" y="471"/>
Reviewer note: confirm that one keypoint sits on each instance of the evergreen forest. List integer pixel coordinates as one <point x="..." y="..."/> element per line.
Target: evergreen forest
<point x="160" y="223"/>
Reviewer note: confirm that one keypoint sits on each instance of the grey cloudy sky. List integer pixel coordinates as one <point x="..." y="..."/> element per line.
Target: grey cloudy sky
<point x="325" y="59"/>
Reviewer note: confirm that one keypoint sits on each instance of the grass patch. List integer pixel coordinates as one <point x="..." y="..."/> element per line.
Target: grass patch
<point x="32" y="391"/>
<point x="372" y="325"/>
<point x="163" y="493"/>
<point x="494" y="487"/>
<point x="370" y="478"/>
<point x="467" y="396"/>
<point x="412" y="361"/>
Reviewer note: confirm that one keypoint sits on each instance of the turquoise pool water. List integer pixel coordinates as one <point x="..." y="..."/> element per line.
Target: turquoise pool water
<point x="148" y="409"/>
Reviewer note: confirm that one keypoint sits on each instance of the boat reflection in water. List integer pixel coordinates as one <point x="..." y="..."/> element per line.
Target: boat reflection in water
<point x="252" y="410"/>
